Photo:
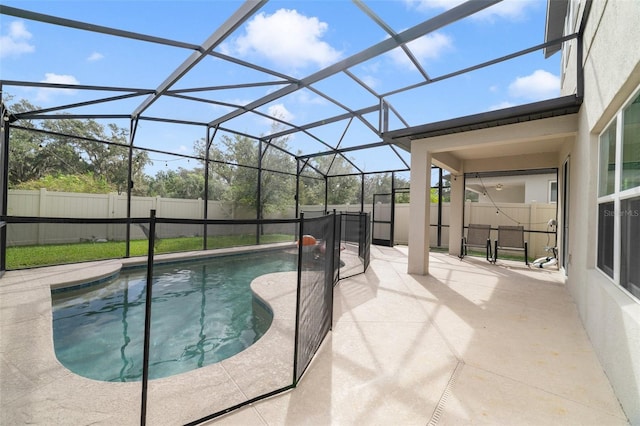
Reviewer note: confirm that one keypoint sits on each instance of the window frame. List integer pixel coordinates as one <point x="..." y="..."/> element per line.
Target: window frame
<point x="616" y="197"/>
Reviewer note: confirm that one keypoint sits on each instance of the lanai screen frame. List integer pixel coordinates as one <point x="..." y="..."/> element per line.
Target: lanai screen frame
<point x="247" y="10"/>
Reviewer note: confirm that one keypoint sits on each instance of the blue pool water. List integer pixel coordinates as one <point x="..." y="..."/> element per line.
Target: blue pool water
<point x="202" y="313"/>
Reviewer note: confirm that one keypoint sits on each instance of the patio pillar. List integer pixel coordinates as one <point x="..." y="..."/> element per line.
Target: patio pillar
<point x="456" y="212"/>
<point x="419" y="210"/>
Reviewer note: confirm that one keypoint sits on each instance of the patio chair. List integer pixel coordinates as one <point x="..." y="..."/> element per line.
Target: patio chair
<point x="477" y="236"/>
<point x="510" y="238"/>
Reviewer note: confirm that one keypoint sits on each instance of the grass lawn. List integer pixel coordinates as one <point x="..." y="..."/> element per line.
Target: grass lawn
<point x="20" y="257"/>
<point x="501" y="255"/>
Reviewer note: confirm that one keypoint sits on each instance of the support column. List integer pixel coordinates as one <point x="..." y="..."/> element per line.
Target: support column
<point x="456" y="212"/>
<point x="419" y="210"/>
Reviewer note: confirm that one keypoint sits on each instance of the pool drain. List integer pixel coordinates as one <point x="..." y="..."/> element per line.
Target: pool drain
<point x="435" y="417"/>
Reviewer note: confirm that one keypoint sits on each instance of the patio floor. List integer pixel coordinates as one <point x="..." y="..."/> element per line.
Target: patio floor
<point x="471" y="343"/>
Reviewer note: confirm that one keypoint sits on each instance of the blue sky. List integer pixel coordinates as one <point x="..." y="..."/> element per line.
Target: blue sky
<point x="293" y="38"/>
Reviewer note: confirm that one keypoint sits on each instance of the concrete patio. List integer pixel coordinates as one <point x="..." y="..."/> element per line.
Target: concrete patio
<point x="473" y="343"/>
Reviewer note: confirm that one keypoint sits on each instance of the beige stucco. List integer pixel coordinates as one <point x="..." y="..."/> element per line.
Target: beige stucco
<point x="418" y="262"/>
<point x="610" y="315"/>
<point x="611" y="61"/>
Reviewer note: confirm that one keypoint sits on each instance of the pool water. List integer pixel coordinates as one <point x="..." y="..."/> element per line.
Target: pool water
<point x="202" y="312"/>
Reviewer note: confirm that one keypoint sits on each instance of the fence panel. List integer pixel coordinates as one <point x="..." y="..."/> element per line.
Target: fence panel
<point x="315" y="291"/>
<point x="534" y="217"/>
<point x="45" y="203"/>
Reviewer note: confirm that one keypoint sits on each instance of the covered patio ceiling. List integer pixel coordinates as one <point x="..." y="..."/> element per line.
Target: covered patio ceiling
<point x="530" y="135"/>
<point x="340" y="106"/>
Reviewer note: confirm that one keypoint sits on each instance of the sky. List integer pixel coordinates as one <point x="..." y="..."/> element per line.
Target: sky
<point x="294" y="39"/>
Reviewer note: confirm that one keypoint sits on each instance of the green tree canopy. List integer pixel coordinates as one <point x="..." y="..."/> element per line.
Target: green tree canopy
<point x="71" y="147"/>
<point x="182" y="183"/>
<point x="234" y="173"/>
<point x="86" y="183"/>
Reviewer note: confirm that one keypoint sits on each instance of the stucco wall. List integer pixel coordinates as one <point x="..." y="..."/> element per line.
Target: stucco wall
<point x="610" y="315"/>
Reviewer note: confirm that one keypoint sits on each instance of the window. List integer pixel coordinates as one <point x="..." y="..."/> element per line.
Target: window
<point x="630" y="243"/>
<point x="605" y="237"/>
<point x="630" y="176"/>
<point x="618" y="238"/>
<point x="607" y="160"/>
<point x="553" y="191"/>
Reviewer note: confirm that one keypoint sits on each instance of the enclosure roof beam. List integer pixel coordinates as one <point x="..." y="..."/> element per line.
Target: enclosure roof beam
<point x="252" y="66"/>
<point x="452" y="15"/>
<point x="49" y="19"/>
<point x="77" y="105"/>
<point x="75" y="116"/>
<point x="382" y="24"/>
<point x="225" y="87"/>
<point x="330" y="120"/>
<point x="244" y="12"/>
<point x="74" y="86"/>
<point x="343" y="150"/>
<point x="482" y="65"/>
<point x="371" y="173"/>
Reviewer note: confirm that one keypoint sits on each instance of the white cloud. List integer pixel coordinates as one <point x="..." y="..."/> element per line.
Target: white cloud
<point x="370" y="81"/>
<point x="45" y="94"/>
<point x="16" y="41"/>
<point x="433" y="4"/>
<point x="59" y="79"/>
<point x="280" y="111"/>
<point x="508" y="9"/>
<point x="286" y="38"/>
<point x="95" y="56"/>
<point x="430" y="46"/>
<point x="309" y="98"/>
<point x="501" y="105"/>
<point x="536" y="86"/>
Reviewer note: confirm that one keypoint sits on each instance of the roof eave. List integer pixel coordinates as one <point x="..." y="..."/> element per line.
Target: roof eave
<point x="534" y="111"/>
<point x="554" y="26"/>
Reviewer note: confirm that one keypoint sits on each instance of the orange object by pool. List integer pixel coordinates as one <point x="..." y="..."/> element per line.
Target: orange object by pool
<point x="308" y="240"/>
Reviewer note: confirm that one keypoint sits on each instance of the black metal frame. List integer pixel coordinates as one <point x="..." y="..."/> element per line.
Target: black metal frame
<point x="393" y="140"/>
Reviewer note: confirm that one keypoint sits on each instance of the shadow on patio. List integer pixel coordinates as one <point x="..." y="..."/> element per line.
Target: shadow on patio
<point x="470" y="343"/>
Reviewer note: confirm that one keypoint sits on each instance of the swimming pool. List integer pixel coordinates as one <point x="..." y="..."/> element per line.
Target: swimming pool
<point x="202" y="312"/>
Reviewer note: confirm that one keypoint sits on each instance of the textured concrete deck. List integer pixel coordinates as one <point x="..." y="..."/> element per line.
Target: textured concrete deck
<point x="473" y="343"/>
<point x="470" y="343"/>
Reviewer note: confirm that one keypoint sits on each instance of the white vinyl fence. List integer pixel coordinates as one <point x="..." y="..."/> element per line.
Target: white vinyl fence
<point x="45" y="203"/>
<point x="534" y="217"/>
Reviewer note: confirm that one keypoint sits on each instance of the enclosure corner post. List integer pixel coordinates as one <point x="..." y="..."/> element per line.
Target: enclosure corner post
<point x="4" y="184"/>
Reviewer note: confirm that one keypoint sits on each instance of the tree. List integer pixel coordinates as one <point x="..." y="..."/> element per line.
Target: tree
<point x="182" y="183"/>
<point x="277" y="189"/>
<point x="233" y="168"/>
<point x="311" y="188"/>
<point x="71" y="147"/>
<point x="341" y="189"/>
<point x="379" y="183"/>
<point x="86" y="183"/>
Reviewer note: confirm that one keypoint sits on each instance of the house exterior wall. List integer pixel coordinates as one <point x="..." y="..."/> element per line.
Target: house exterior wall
<point x="611" y="316"/>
